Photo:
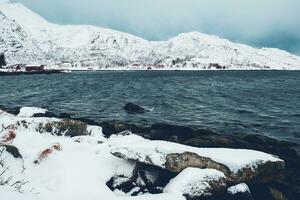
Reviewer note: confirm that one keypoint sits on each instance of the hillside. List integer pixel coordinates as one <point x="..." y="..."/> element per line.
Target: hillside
<point x="26" y="37"/>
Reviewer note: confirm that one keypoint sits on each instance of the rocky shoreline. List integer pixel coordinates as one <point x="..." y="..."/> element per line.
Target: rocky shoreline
<point x="273" y="179"/>
<point x="289" y="152"/>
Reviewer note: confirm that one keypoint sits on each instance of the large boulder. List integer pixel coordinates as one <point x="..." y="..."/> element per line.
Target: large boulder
<point x="195" y="183"/>
<point x="239" y="165"/>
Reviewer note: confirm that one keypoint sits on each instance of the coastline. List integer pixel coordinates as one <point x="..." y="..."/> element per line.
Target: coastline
<point x="199" y="138"/>
<point x="62" y="71"/>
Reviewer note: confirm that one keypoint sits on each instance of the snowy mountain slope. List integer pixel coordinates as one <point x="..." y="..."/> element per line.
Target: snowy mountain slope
<point x="27" y="37"/>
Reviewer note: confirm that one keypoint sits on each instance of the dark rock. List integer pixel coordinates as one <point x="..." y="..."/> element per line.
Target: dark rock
<point x="14" y="111"/>
<point x="114" y="127"/>
<point x="14" y="151"/>
<point x="134" y="109"/>
<point x="46" y="114"/>
<point x="64" y="115"/>
<point x="153" y="178"/>
<point x="288" y="152"/>
<point x="171" y="132"/>
<point x="146" y="179"/>
<point x="85" y="120"/>
<point x="215" y="140"/>
<point x="125" y="186"/>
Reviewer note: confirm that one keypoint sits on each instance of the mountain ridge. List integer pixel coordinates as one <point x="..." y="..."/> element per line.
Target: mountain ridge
<point x="27" y="37"/>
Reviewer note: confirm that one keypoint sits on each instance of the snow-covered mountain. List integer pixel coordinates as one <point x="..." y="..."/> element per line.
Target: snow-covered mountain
<point x="26" y="37"/>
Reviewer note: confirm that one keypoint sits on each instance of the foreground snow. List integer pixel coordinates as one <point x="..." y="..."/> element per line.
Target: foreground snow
<point x="79" y="171"/>
<point x="60" y="167"/>
<point x="28" y="38"/>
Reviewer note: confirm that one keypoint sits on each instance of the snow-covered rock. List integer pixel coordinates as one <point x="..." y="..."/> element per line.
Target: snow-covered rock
<point x="30" y="111"/>
<point x="54" y="126"/>
<point x="26" y="37"/>
<point x="239" y="188"/>
<point x="239" y="192"/>
<point x="195" y="183"/>
<point x="238" y="165"/>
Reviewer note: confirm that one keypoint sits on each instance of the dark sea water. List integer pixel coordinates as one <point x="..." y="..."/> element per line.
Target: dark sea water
<point x="229" y="102"/>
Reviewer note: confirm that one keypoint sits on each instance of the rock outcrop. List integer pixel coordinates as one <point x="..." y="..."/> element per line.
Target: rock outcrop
<point x="237" y="164"/>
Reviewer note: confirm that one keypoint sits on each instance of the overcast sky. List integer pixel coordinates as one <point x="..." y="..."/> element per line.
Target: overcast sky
<point x="271" y="23"/>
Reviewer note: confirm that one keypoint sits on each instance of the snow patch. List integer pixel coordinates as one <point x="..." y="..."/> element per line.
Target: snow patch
<point x="30" y="111"/>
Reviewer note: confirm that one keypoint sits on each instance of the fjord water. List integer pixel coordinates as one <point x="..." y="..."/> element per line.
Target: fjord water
<point x="228" y="102"/>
